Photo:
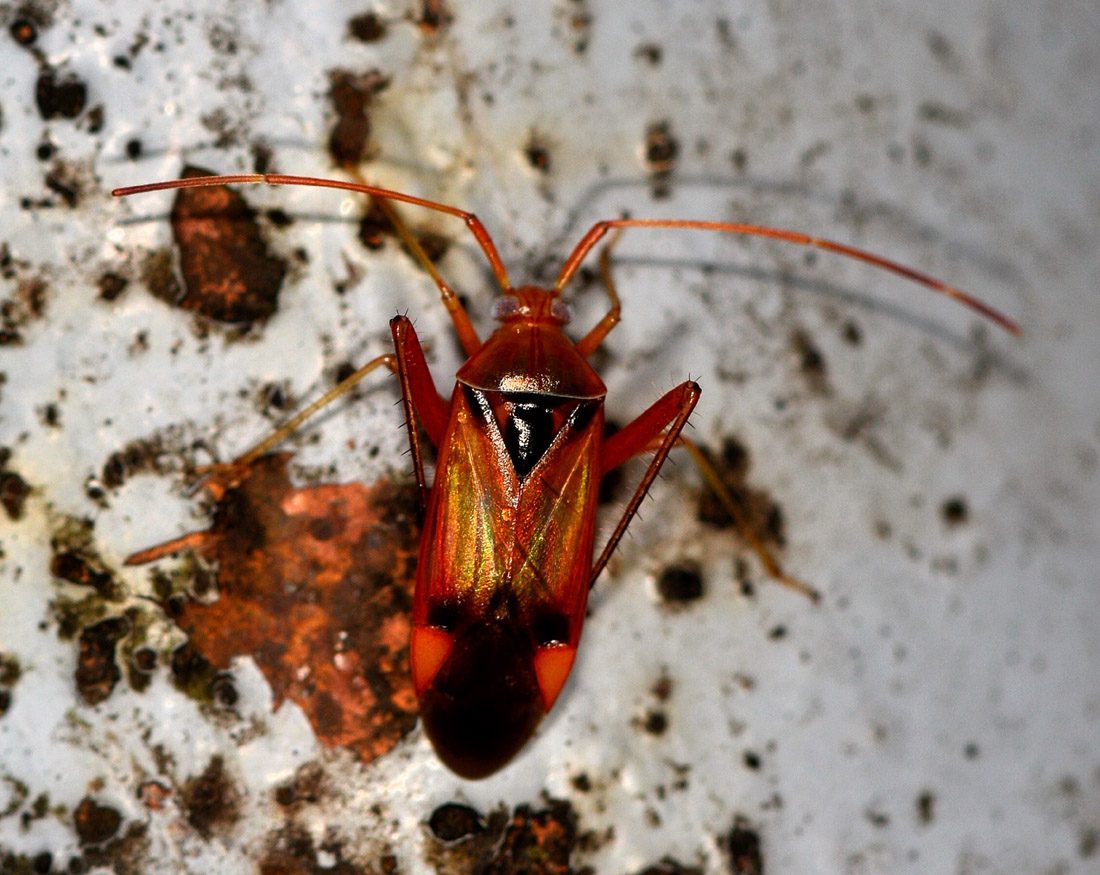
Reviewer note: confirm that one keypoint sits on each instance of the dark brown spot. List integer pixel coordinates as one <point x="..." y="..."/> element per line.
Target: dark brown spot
<point x="141" y="456"/>
<point x="537" y="153"/>
<point x="651" y="53"/>
<point x="306" y="788"/>
<point x="352" y="95"/>
<point x="192" y="672"/>
<point x="680" y="583"/>
<point x="93" y="121"/>
<point x="955" y="511"/>
<point x="279" y="218"/>
<point x="751" y="760"/>
<point x="210" y="800"/>
<point x="811" y="362"/>
<point x="367" y="28"/>
<point x="10" y="670"/>
<point x="926" y="807"/>
<point x="83" y="571"/>
<point x="1089" y="842"/>
<point x="95" y="823"/>
<point x="97" y="672"/>
<point x="743" y="845"/>
<point x="661" y="151"/>
<point x="23" y="31"/>
<point x="111" y="285"/>
<point x="655" y="723"/>
<point x="59" y="97"/>
<point x="63" y="182"/>
<point x="434" y="16"/>
<point x="451" y="822"/>
<point x="662" y="688"/>
<point x="13" y="488"/>
<point x="144" y="659"/>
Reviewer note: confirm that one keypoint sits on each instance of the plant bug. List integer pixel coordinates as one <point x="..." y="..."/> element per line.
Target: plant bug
<point x="506" y="554"/>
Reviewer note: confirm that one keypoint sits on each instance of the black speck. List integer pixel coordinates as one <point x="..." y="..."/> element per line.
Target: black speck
<point x="537" y="154"/>
<point x="955" y="511"/>
<point x="656" y="723"/>
<point x="23" y="31"/>
<point x="926" y="807"/>
<point x="451" y="822"/>
<point x="367" y="28"/>
<point x="743" y="844"/>
<point x="111" y="285"/>
<point x="59" y="98"/>
<point x="681" y="583"/>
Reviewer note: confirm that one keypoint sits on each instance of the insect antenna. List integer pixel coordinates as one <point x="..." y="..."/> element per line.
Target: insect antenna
<point x="600" y="229"/>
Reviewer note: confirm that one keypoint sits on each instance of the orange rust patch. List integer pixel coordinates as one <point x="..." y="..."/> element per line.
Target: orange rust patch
<point x="228" y="273"/>
<point x="316" y="586"/>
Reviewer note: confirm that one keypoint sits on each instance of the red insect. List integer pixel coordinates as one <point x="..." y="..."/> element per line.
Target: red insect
<point x="506" y="555"/>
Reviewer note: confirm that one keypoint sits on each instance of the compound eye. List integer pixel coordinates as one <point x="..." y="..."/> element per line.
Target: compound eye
<point x="505" y="307"/>
<point x="561" y="310"/>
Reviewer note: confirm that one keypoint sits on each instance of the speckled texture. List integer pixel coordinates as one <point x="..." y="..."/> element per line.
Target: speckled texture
<point x="939" y="711"/>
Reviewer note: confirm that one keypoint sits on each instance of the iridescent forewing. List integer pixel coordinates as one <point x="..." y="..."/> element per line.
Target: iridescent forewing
<point x="488" y="528"/>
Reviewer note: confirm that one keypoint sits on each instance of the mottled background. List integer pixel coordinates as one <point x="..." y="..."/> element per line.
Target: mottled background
<point x="936" y="479"/>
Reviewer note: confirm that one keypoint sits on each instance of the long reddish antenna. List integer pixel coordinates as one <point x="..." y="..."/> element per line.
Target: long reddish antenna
<point x="472" y="221"/>
<point x="597" y="232"/>
<point x="594" y="235"/>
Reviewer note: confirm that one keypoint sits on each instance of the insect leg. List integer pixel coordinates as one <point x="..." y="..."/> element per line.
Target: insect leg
<point x="419" y="396"/>
<point x="668" y="415"/>
<point x="741" y="521"/>
<point x="283" y="431"/>
<point x="229" y="473"/>
<point x="591" y="341"/>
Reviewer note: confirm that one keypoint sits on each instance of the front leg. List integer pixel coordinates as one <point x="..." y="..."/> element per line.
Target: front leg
<point x="668" y="415"/>
<point x="418" y="397"/>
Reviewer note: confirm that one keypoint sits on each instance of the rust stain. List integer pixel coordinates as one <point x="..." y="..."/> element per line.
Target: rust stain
<point x="228" y="272"/>
<point x="316" y="585"/>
